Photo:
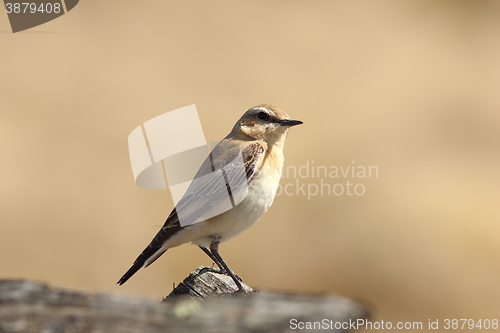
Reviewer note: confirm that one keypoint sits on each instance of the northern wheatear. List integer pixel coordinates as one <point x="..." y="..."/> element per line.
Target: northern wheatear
<point x="258" y="137"/>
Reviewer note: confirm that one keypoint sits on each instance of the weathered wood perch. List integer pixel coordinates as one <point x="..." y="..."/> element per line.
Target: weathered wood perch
<point x="206" y="282"/>
<point x="27" y="306"/>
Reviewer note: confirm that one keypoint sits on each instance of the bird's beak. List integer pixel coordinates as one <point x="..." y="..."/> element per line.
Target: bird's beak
<point x="290" y="123"/>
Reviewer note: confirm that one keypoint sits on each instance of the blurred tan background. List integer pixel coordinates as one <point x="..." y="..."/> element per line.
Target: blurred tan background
<point x="411" y="87"/>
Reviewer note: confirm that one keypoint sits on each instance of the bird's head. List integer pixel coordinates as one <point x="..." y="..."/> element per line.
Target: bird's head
<point x="265" y="122"/>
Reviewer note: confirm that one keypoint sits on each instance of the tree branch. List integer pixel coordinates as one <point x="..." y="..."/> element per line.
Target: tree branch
<point x="27" y="306"/>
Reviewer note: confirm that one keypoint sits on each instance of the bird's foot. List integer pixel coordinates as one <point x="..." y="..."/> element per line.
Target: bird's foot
<point x="223" y="271"/>
<point x="213" y="270"/>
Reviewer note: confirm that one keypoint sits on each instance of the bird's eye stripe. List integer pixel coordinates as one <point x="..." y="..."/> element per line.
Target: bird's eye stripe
<point x="263" y="115"/>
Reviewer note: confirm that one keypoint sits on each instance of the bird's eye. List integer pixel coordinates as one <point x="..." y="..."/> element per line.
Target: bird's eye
<point x="263" y="116"/>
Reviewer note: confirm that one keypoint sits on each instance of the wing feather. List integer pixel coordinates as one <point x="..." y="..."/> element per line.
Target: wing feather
<point x="224" y="173"/>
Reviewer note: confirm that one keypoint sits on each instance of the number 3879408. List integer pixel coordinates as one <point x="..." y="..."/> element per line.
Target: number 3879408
<point x="32" y="8"/>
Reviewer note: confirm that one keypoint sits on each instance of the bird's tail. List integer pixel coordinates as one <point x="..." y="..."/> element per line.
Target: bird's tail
<point x="144" y="259"/>
<point x="135" y="267"/>
<point x="156" y="248"/>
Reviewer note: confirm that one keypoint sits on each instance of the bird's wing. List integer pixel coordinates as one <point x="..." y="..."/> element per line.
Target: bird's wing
<point x="221" y="179"/>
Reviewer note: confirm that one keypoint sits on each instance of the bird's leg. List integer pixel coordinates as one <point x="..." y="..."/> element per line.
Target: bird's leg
<point x="222" y="270"/>
<point x="214" y="259"/>
<point x="214" y="248"/>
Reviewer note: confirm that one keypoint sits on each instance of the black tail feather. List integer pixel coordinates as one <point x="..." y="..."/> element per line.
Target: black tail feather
<point x="169" y="229"/>
<point x="135" y="267"/>
<point x="138" y="263"/>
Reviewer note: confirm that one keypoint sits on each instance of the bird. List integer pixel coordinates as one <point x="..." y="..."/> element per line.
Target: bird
<point x="245" y="167"/>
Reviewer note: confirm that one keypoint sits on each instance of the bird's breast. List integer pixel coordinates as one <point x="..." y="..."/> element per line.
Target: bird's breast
<point x="260" y="195"/>
<point x="261" y="190"/>
<point x="262" y="187"/>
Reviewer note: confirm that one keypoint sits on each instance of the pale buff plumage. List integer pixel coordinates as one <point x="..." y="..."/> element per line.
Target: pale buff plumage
<point x="260" y="136"/>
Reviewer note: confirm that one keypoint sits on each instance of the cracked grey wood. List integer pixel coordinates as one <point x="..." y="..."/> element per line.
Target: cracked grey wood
<point x="206" y="282"/>
<point x="27" y="306"/>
